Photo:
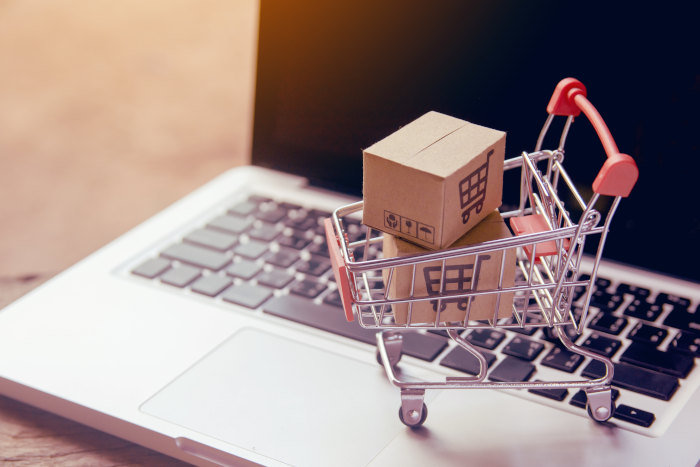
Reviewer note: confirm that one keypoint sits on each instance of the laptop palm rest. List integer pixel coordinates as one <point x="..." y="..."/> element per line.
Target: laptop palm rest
<point x="290" y="401"/>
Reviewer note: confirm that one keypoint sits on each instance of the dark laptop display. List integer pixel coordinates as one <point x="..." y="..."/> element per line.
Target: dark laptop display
<point x="335" y="77"/>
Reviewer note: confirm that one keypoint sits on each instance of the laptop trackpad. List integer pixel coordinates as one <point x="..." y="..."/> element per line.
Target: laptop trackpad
<point x="286" y="400"/>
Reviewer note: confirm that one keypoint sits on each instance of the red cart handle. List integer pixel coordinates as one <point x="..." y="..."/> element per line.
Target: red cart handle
<point x="340" y="270"/>
<point x="619" y="172"/>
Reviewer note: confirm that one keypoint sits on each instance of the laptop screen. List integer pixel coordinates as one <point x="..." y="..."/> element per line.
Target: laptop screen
<point x="335" y="77"/>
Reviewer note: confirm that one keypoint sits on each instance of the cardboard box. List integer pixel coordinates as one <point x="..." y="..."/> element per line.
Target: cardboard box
<point x="433" y="180"/>
<point x="460" y="272"/>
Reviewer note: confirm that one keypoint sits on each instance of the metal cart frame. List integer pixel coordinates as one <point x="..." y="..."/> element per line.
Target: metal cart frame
<point x="548" y="247"/>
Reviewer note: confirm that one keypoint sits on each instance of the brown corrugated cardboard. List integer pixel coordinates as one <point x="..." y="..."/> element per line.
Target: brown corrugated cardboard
<point x="433" y="180"/>
<point x="461" y="272"/>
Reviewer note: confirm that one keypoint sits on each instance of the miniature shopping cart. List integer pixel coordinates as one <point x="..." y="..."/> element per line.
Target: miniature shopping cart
<point x="550" y="289"/>
<point x="472" y="190"/>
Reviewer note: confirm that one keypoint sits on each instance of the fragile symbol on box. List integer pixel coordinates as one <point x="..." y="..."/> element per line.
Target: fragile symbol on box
<point x="391" y="220"/>
<point x="472" y="189"/>
<point x="409" y="227"/>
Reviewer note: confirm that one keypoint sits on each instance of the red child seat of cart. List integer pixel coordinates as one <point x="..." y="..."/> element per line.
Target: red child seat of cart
<point x="340" y="270"/>
<point x="533" y="224"/>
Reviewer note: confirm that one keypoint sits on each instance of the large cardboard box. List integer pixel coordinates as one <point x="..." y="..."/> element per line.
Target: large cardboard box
<point x="461" y="274"/>
<point x="433" y="180"/>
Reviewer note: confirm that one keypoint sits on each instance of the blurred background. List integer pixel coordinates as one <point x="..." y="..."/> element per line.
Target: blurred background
<point x="109" y="111"/>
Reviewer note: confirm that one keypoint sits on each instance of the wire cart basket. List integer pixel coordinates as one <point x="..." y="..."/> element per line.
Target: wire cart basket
<point x="547" y="279"/>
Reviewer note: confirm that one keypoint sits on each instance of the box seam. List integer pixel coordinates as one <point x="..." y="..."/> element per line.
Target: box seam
<point x="436" y="141"/>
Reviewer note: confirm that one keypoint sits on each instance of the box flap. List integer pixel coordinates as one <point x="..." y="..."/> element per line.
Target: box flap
<point x="409" y="140"/>
<point x="446" y="155"/>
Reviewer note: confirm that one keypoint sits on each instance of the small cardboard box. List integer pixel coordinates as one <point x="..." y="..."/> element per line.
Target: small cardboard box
<point x="461" y="274"/>
<point x="433" y="180"/>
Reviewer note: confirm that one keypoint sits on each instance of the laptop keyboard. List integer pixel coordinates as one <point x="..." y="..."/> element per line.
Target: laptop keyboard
<point x="271" y="257"/>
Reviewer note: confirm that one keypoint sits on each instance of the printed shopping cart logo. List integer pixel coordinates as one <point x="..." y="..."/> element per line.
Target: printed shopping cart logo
<point x="458" y="278"/>
<point x="409" y="227"/>
<point x="472" y="189"/>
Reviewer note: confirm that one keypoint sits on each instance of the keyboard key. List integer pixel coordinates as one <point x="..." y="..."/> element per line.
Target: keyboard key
<point x="197" y="256"/>
<point x="639" y="292"/>
<point x="295" y="239"/>
<point x="605" y="322"/>
<point x="643" y="310"/>
<point x="557" y="394"/>
<point x="282" y="258"/>
<point x="634" y="378"/>
<point x="315" y="266"/>
<point x="252" y="249"/>
<point x="606" y="301"/>
<point x="526" y="331"/>
<point x="461" y="359"/>
<point x="244" y="269"/>
<point x="601" y="283"/>
<point x="180" y="276"/>
<point x="301" y="223"/>
<point x="211" y="285"/>
<point x="579" y="292"/>
<point x="579" y="399"/>
<point x="674" y="364"/>
<point x="212" y="239"/>
<point x="230" y="224"/>
<point x="334" y="299"/>
<point x="681" y="318"/>
<point x="424" y="346"/>
<point x="486" y="338"/>
<point x="562" y="359"/>
<point x="264" y="233"/>
<point x="359" y="253"/>
<point x="637" y="416"/>
<point x="275" y="278"/>
<point x="439" y="332"/>
<point x="512" y="369"/>
<point x="325" y="317"/>
<point x="552" y="335"/>
<point x="355" y="231"/>
<point x="289" y="206"/>
<point x="675" y="300"/>
<point x="319" y="214"/>
<point x="244" y="208"/>
<point x="523" y="348"/>
<point x="647" y="334"/>
<point x="601" y="345"/>
<point x="308" y="288"/>
<point x="319" y="249"/>
<point x="272" y="214"/>
<point x="251" y="296"/>
<point x="687" y="342"/>
<point x="152" y="268"/>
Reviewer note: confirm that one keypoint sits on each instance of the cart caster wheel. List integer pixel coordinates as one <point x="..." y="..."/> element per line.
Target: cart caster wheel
<point x="419" y="419"/>
<point x="602" y="415"/>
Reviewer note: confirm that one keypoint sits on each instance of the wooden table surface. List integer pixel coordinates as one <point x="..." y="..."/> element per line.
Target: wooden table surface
<point x="109" y="111"/>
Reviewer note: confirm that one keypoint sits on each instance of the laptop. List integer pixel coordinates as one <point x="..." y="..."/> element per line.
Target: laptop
<point x="213" y="332"/>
